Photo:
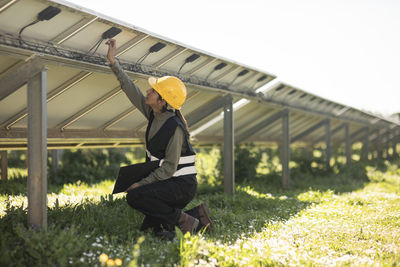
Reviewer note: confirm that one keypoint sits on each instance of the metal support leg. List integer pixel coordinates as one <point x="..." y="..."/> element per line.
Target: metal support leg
<point x="55" y="155"/>
<point x="365" y="147"/>
<point x="394" y="143"/>
<point x="379" y="145"/>
<point x="4" y="165"/>
<point x="285" y="151"/>
<point x="37" y="154"/>
<point x="387" y="145"/>
<point x="328" y="143"/>
<point x="347" y="144"/>
<point x="229" y="160"/>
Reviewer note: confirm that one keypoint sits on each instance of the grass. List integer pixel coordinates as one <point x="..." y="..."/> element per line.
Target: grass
<point x="348" y="218"/>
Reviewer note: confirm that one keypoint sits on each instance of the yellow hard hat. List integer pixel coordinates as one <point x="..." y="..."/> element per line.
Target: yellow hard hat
<point x="171" y="89"/>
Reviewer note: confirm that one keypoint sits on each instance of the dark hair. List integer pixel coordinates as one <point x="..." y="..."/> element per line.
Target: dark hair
<point x="180" y="116"/>
<point x="165" y="107"/>
<point x="178" y="113"/>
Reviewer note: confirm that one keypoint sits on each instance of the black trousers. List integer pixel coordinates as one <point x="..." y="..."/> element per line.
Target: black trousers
<point x="162" y="202"/>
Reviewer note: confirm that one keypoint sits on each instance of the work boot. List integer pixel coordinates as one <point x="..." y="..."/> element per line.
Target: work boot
<point x="204" y="217"/>
<point x="202" y="213"/>
<point x="187" y="223"/>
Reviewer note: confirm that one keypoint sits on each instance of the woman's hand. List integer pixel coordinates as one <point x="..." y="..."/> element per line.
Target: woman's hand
<point x="112" y="46"/>
<point x="135" y="185"/>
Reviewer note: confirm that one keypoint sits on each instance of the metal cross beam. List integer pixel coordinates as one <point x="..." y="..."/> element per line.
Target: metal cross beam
<point x="118" y="118"/>
<point x="89" y="108"/>
<point x="6" y="4"/>
<point x="261" y="125"/>
<point x="207" y="109"/>
<point x="197" y="68"/>
<point x="131" y="43"/>
<point x="169" y="57"/>
<point x="222" y="75"/>
<point x="333" y="132"/>
<point x="309" y="130"/>
<point x="354" y="136"/>
<point x="50" y="96"/>
<point x="74" y="29"/>
<point x="13" y="80"/>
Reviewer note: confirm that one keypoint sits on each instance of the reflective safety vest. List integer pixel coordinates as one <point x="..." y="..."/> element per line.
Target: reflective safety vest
<point x="157" y="145"/>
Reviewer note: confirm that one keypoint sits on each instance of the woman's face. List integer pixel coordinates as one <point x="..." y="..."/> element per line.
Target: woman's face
<point x="153" y="99"/>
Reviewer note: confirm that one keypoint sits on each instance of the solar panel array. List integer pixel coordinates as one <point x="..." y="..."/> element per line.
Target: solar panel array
<point x="87" y="108"/>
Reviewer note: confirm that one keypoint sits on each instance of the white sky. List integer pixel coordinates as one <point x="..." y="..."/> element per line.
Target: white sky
<point x="344" y="50"/>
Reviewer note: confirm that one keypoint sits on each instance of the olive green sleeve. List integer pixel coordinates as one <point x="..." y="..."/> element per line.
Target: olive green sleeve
<point x="131" y="90"/>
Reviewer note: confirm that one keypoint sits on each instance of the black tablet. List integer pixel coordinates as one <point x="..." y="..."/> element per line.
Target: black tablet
<point x="131" y="174"/>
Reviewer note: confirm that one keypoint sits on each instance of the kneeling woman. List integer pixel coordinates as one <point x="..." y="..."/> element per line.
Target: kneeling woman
<point x="167" y="190"/>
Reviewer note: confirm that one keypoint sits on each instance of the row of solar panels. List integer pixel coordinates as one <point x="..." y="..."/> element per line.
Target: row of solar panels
<point x="86" y="106"/>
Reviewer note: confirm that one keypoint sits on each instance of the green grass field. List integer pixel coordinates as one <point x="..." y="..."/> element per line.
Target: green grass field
<point x="351" y="218"/>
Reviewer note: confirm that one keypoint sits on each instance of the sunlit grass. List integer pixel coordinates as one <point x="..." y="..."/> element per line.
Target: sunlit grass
<point x="17" y="172"/>
<point x="260" y="225"/>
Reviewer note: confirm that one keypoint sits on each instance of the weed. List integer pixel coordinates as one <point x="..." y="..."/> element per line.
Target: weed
<point x="344" y="217"/>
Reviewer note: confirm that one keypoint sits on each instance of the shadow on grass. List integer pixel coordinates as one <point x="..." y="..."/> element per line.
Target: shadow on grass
<point x="340" y="179"/>
<point x="72" y="231"/>
<point x="82" y="225"/>
<point x="19" y="186"/>
<point x="254" y="204"/>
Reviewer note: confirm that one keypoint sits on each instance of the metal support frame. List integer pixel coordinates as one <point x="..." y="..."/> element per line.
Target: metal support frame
<point x="74" y="29"/>
<point x="365" y="146"/>
<point x="89" y="108"/>
<point x="261" y="125"/>
<point x="394" y="143"/>
<point x="131" y="43"/>
<point x="309" y="130"/>
<point x="4" y="165"/>
<point x="50" y="96"/>
<point x="285" y="150"/>
<point x="372" y="143"/>
<point x="222" y="75"/>
<point x="55" y="160"/>
<point x="347" y="143"/>
<point x="328" y="143"/>
<point x="37" y="154"/>
<point x="10" y="44"/>
<point x="197" y="68"/>
<point x="387" y="144"/>
<point x="354" y="137"/>
<point x="118" y="118"/>
<point x="229" y="159"/>
<point x="13" y="80"/>
<point x="6" y="4"/>
<point x="379" y="144"/>
<point x="333" y="132"/>
<point x="249" y="77"/>
<point x="298" y="123"/>
<point x="169" y="57"/>
<point x="207" y="109"/>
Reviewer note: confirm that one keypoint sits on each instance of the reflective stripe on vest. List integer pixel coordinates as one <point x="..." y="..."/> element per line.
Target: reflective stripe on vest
<point x="182" y="160"/>
<point x="185" y="171"/>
